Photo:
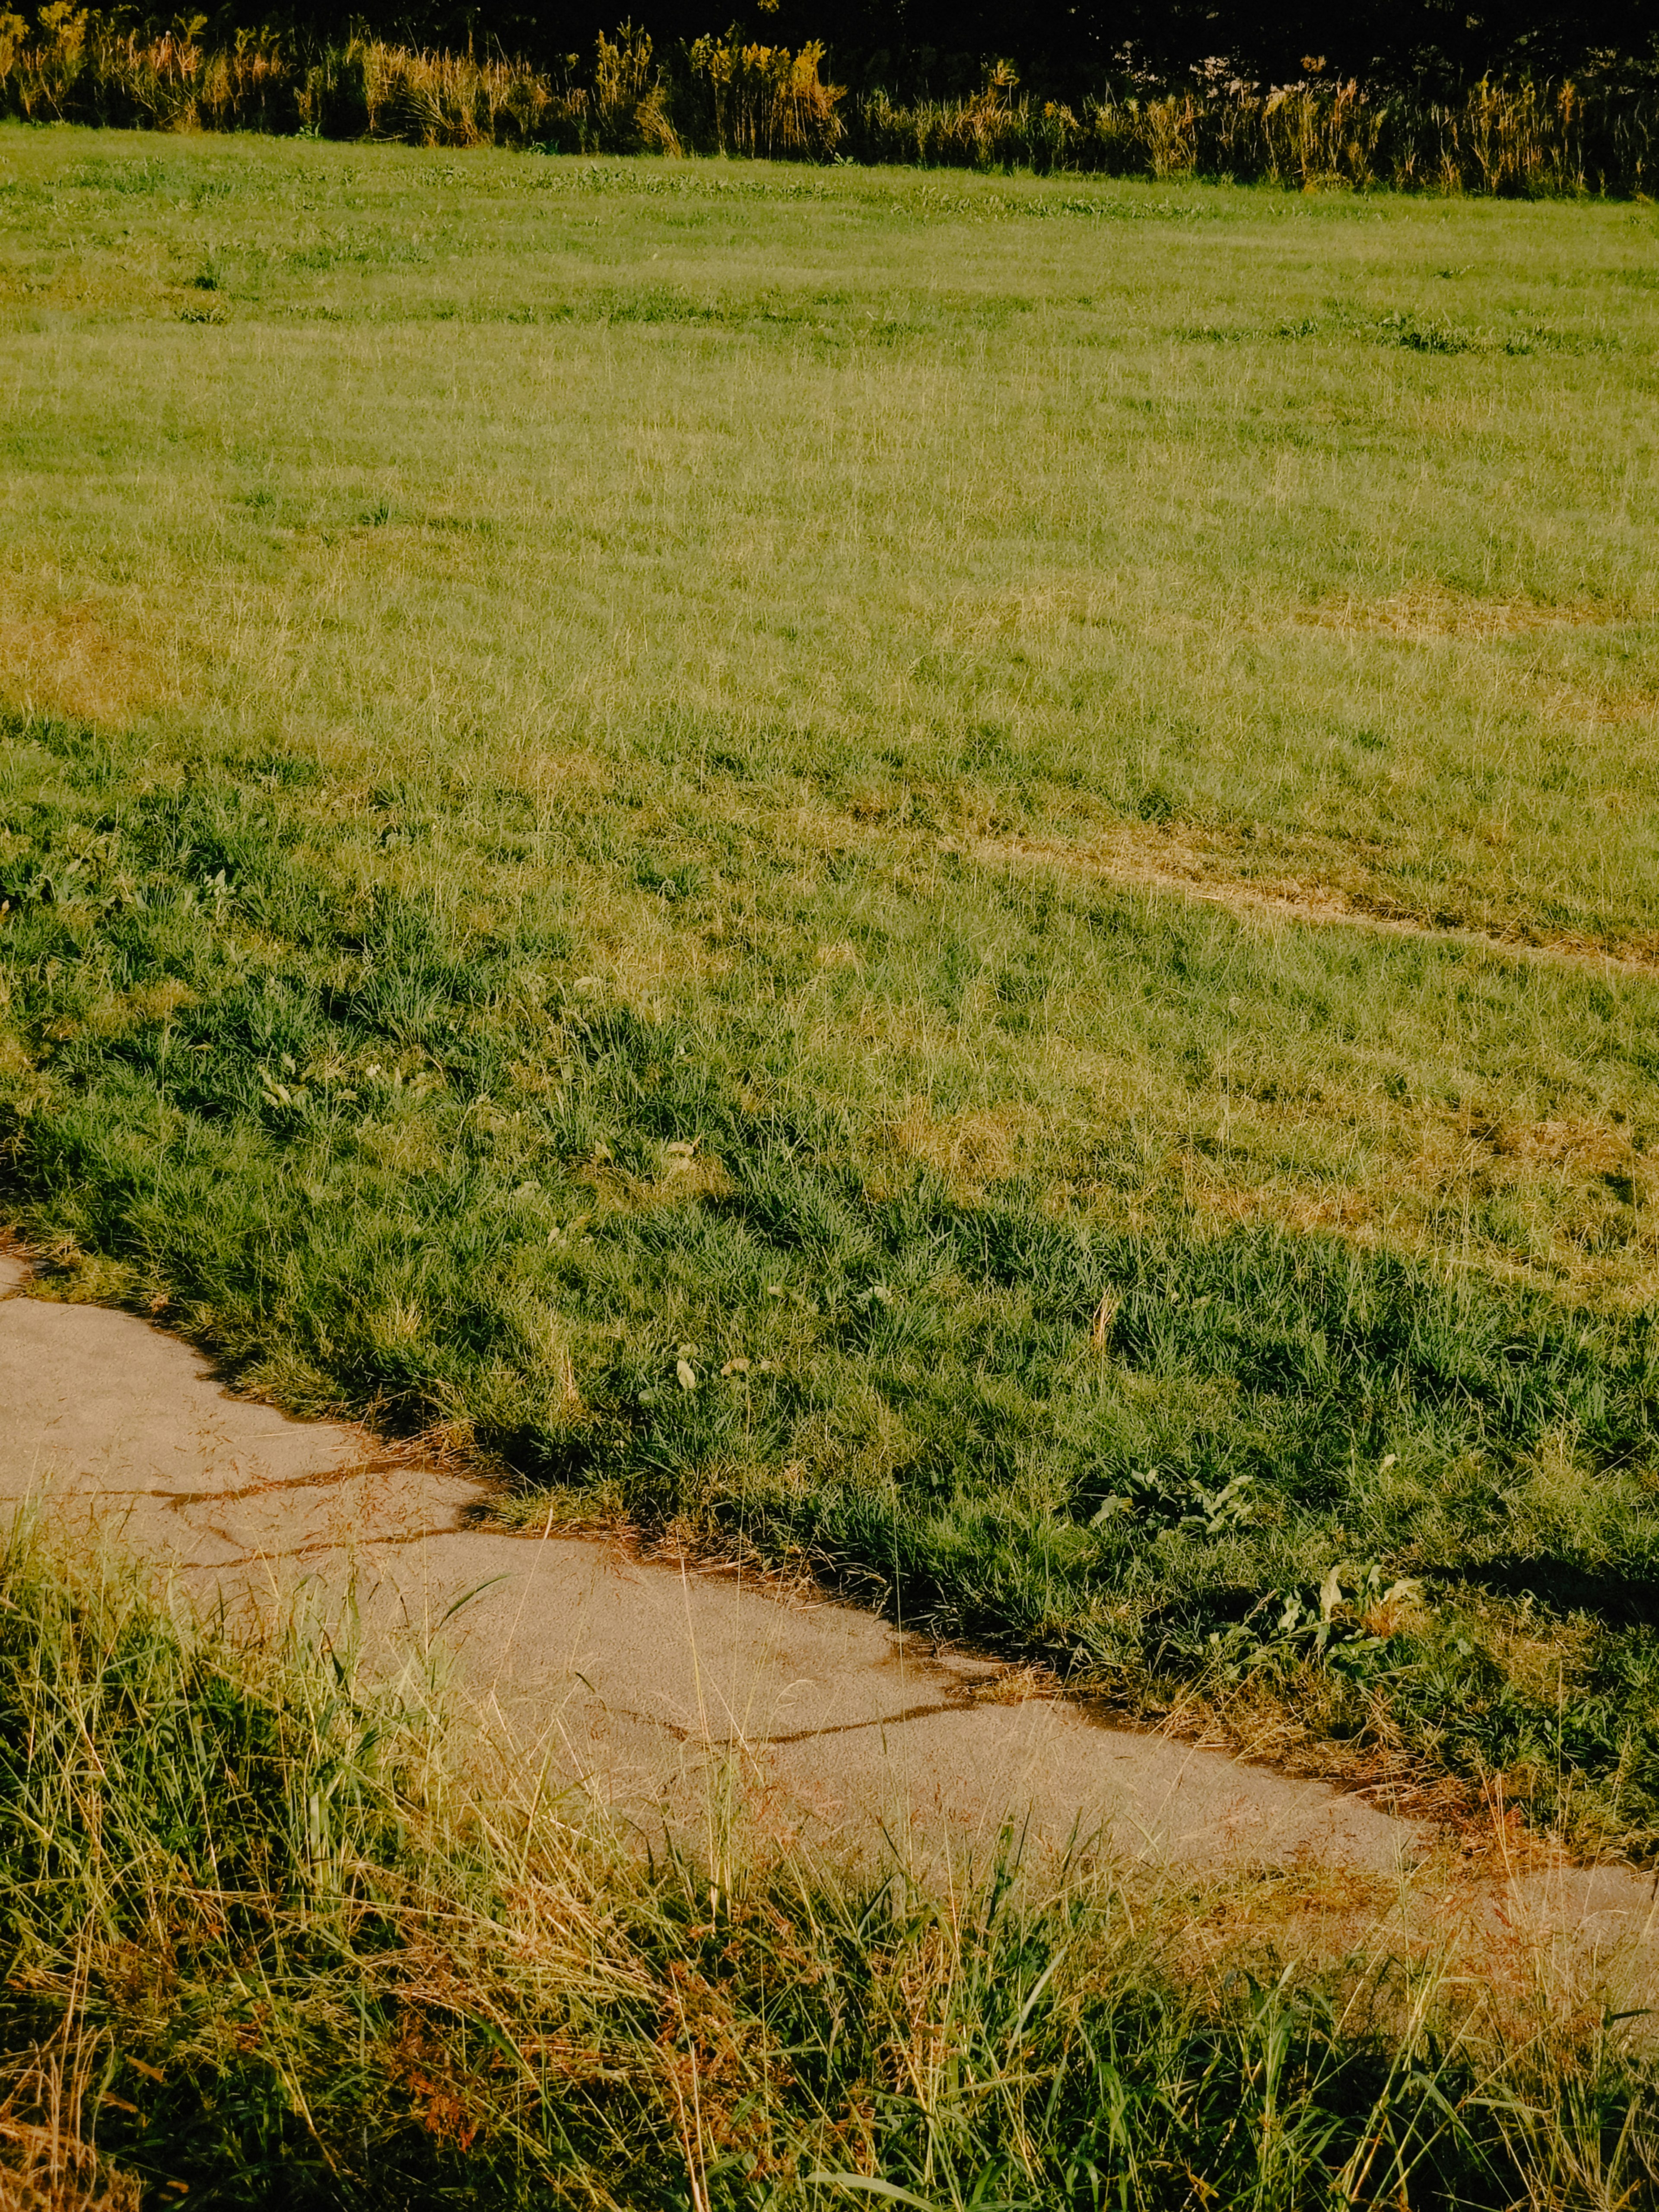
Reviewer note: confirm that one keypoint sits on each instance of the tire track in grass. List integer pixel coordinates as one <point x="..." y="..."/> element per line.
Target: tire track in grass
<point x="1172" y="868"/>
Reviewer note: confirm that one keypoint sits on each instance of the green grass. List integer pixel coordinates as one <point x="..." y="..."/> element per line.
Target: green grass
<point x="274" y="1938"/>
<point x="595" y="759"/>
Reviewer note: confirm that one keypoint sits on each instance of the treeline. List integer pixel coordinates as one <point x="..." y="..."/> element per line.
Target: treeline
<point x="727" y="94"/>
<point x="923" y="51"/>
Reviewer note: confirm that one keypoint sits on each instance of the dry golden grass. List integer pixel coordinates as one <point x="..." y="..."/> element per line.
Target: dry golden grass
<point x="49" y="2161"/>
<point x="1431" y="611"/>
<point x="968" y="1149"/>
<point x="67" y="657"/>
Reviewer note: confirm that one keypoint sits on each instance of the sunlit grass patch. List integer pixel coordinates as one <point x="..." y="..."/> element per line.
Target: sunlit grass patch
<point x="383" y="1137"/>
<point x="60" y="657"/>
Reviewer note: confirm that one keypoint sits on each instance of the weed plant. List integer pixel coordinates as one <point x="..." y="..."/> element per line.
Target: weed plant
<point x="276" y="1936"/>
<point x="598" y="779"/>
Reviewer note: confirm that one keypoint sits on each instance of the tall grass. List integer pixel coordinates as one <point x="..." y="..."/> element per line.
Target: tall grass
<point x="727" y="96"/>
<point x="1509" y="139"/>
<point x="759" y="100"/>
<point x="83" y="68"/>
<point x="276" y="1934"/>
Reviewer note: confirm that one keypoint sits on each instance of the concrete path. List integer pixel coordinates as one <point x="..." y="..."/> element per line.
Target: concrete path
<point x="632" y="1679"/>
<point x="634" y="1674"/>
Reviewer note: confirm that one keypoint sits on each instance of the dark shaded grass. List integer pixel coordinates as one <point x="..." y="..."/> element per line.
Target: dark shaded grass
<point x="301" y="1959"/>
<point x="380" y="1151"/>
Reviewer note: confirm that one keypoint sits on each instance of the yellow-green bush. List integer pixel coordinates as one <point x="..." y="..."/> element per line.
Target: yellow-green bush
<point x="764" y="102"/>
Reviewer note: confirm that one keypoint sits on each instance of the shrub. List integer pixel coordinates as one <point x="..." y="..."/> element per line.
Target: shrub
<point x="763" y="101"/>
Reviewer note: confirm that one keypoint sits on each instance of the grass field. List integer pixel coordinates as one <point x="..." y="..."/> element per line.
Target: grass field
<point x="724" y="832"/>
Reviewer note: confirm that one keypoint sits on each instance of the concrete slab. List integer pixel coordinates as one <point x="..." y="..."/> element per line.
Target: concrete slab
<point x="637" y="1683"/>
<point x="632" y="1679"/>
<point x="639" y="1679"/>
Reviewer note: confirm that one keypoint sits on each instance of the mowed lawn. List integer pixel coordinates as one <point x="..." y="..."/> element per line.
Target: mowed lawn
<point x="691" y="822"/>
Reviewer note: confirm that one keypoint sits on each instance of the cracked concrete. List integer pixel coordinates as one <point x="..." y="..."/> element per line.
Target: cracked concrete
<point x="633" y="1680"/>
<point x="632" y="1676"/>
